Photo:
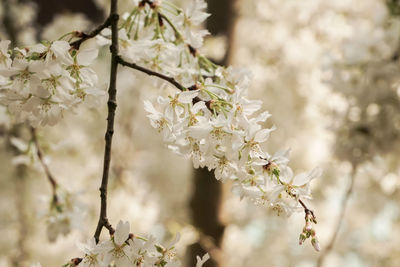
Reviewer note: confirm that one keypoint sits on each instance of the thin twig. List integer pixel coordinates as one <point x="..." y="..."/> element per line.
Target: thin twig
<point x="171" y="80"/>
<point x="46" y="169"/>
<point x="340" y="219"/>
<point x="112" y="105"/>
<point x="85" y="36"/>
<point x="151" y="73"/>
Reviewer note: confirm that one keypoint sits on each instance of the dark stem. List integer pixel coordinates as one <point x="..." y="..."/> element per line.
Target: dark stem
<point x="340" y="219"/>
<point x="171" y="80"/>
<point x="85" y="36"/>
<point x="152" y="73"/>
<point x="46" y="169"/>
<point x="112" y="105"/>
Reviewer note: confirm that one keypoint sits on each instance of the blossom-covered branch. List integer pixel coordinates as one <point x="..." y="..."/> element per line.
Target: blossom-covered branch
<point x="210" y="120"/>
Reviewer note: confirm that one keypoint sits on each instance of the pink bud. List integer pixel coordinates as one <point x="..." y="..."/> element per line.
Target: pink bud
<point x="315" y="244"/>
<point x="308" y="226"/>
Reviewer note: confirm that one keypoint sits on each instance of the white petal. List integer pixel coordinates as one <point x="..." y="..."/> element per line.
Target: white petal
<point x="301" y="179"/>
<point x="121" y="233"/>
<point x="86" y="57"/>
<point x="198" y="106"/>
<point x="187" y="96"/>
<point x="262" y="135"/>
<point x="286" y="175"/>
<point x="148" y="106"/>
<point x="304" y="178"/>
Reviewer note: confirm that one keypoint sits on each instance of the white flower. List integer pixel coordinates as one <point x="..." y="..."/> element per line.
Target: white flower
<point x="163" y="123"/>
<point x="117" y="249"/>
<point x="299" y="185"/>
<point x="92" y="254"/>
<point x="195" y="13"/>
<point x="60" y="50"/>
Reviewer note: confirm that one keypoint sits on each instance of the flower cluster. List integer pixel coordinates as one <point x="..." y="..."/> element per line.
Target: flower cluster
<point x="164" y="38"/>
<point x="38" y="83"/>
<point x="211" y="120"/>
<point x="126" y="249"/>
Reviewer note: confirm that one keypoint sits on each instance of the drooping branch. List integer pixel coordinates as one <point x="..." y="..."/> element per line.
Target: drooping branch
<point x="46" y="169"/>
<point x="112" y="105"/>
<point x="340" y="219"/>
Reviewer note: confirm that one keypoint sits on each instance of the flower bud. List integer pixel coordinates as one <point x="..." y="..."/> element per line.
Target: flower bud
<point x="302" y="238"/>
<point x="308" y="227"/>
<point x="315" y="244"/>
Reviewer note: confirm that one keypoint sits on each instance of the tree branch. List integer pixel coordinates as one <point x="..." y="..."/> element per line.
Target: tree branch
<point x="339" y="219"/>
<point x="171" y="80"/>
<point x="46" y="169"/>
<point x="112" y="105"/>
<point x="152" y="73"/>
<point x="85" y="36"/>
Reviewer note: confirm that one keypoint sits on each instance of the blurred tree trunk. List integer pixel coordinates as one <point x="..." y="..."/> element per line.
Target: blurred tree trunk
<point x="207" y="196"/>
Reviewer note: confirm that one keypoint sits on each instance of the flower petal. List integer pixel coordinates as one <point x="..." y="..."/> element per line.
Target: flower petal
<point x="121" y="233"/>
<point x="86" y="57"/>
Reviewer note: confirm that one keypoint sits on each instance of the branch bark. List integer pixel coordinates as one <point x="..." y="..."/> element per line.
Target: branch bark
<point x="152" y="73"/>
<point x="86" y="36"/>
<point x="112" y="105"/>
<point x="171" y="80"/>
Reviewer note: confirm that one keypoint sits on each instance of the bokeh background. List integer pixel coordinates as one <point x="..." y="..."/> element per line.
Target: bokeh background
<point x="327" y="71"/>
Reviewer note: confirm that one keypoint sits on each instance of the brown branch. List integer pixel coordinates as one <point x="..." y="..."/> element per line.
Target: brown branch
<point x="85" y="36"/>
<point x="46" y="169"/>
<point x="112" y="105"/>
<point x="340" y="219"/>
<point x="171" y="80"/>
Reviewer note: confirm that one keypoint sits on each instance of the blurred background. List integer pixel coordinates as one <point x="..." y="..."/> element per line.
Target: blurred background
<point x="327" y="71"/>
